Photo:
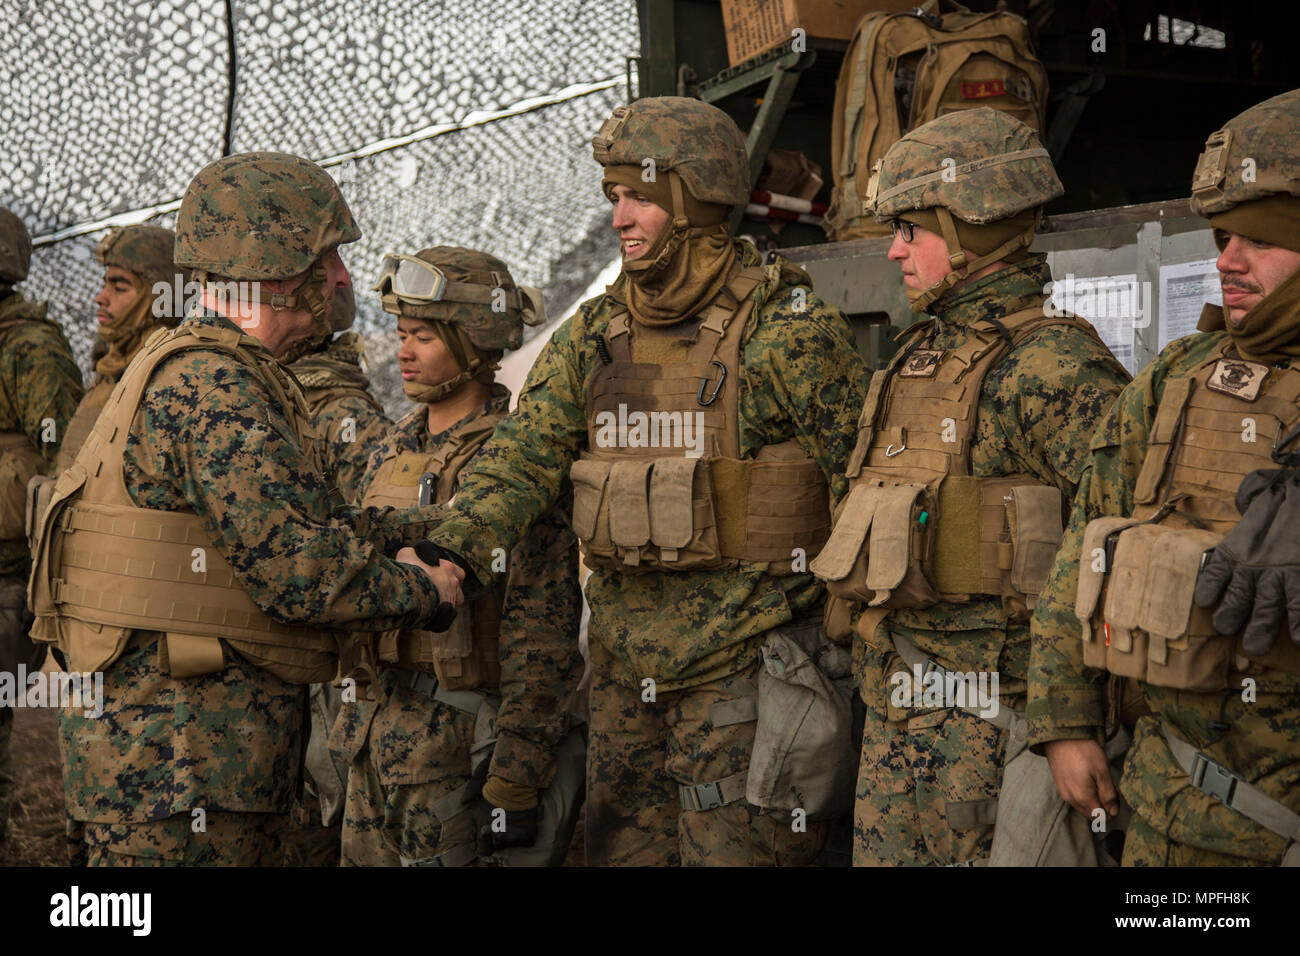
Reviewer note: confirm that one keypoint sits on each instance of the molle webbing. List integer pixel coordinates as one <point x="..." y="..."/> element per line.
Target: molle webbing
<point x="105" y="561"/>
<point x="764" y="508"/>
<point x="466" y="655"/>
<point x="916" y="427"/>
<point x="1199" y="452"/>
<point x="83" y="420"/>
<point x="396" y="484"/>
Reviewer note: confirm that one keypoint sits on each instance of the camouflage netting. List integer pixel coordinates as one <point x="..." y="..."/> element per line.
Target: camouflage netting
<point x="109" y="114"/>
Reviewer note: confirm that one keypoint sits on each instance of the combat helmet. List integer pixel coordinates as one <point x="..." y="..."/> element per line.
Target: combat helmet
<point x="470" y="299"/>
<point x="697" y="142"/>
<point x="978" y="167"/>
<point x="265" y="215"/>
<point x="1249" y="173"/>
<point x="15" y="248"/>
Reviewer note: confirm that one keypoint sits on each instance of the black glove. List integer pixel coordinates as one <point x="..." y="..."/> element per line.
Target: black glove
<point x="1254" y="573"/>
<point x="498" y="828"/>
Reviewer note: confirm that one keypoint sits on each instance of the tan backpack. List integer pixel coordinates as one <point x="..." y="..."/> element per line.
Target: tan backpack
<point x="904" y="69"/>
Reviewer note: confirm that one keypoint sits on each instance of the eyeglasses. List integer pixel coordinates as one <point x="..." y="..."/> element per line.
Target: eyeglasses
<point x="410" y="278"/>
<point x="907" y="229"/>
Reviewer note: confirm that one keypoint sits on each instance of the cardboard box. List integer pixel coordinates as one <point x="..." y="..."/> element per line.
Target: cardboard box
<point x="756" y="26"/>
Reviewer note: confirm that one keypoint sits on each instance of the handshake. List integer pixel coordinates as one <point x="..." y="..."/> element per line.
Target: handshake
<point x="451" y="581"/>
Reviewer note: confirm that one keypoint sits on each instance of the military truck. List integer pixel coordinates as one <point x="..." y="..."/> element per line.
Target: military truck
<point x="1135" y="89"/>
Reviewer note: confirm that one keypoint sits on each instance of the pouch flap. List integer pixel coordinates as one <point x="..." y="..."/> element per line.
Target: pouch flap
<point x="671" y="510"/>
<point x="1126" y="596"/>
<point x="629" y="506"/>
<point x="1171" y="580"/>
<point x="408" y="467"/>
<point x="589" y="478"/>
<point x="1092" y="564"/>
<point x="190" y="655"/>
<point x="1034" y="517"/>
<point x="891" y="537"/>
<point x="840" y="552"/>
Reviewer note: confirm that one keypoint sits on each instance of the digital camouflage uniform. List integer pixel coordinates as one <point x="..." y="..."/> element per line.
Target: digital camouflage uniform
<point x="40" y="386"/>
<point x="411" y="751"/>
<point x="351" y="423"/>
<point x="695" y="634"/>
<point x="1175" y="823"/>
<point x="350" y="419"/>
<point x="411" y="746"/>
<point x="146" y="253"/>
<point x="210" y="438"/>
<point x="929" y="776"/>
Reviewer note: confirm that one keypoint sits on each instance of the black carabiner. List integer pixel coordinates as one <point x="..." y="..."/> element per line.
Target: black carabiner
<point x="722" y="377"/>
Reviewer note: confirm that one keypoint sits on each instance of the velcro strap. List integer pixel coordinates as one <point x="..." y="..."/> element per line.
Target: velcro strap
<point x="629" y="509"/>
<point x="191" y="655"/>
<point x="741" y="710"/>
<point x="670" y="510"/>
<point x="956" y="558"/>
<point x="1232" y="790"/>
<point x="718" y="793"/>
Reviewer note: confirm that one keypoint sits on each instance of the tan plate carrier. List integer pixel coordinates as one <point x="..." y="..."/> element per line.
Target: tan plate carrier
<point x="647" y="509"/>
<point x="916" y="527"/>
<point x="104" y="567"/>
<point x="466" y="655"/>
<point x="1138" y="616"/>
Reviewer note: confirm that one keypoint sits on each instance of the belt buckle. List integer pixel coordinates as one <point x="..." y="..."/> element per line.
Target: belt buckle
<point x="1213" y="778"/>
<point x="707" y="795"/>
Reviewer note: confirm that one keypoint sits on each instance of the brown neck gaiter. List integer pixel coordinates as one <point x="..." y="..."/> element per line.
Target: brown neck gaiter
<point x="127" y="333"/>
<point x="1270" y="331"/>
<point x="689" y="261"/>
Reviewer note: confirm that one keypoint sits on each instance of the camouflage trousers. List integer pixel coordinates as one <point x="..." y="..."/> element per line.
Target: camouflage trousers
<point x="222" y="839"/>
<point x="409" y="763"/>
<point x="641" y="753"/>
<point x="928" y="781"/>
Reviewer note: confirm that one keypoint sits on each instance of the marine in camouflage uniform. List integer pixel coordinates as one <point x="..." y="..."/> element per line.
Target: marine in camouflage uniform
<point x="930" y="769"/>
<point x="347" y="414"/>
<point x="135" y="259"/>
<point x="1255" y="736"/>
<point x="672" y="651"/>
<point x="352" y="424"/>
<point x="415" y="745"/>
<point x="40" y="386"/>
<point x="195" y="758"/>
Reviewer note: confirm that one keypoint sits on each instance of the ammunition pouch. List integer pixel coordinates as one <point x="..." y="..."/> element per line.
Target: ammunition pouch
<point x="803" y="756"/>
<point x="1136" y="582"/>
<point x="464" y="657"/>
<point x="901" y="545"/>
<point x="700" y="514"/>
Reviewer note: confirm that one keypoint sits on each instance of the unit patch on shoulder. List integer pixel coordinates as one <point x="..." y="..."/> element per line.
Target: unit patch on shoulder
<point x="1238" y="378"/>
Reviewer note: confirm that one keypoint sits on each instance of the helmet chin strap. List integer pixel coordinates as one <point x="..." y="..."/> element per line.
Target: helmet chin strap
<point x="310" y="296"/>
<point x="961" y="268"/>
